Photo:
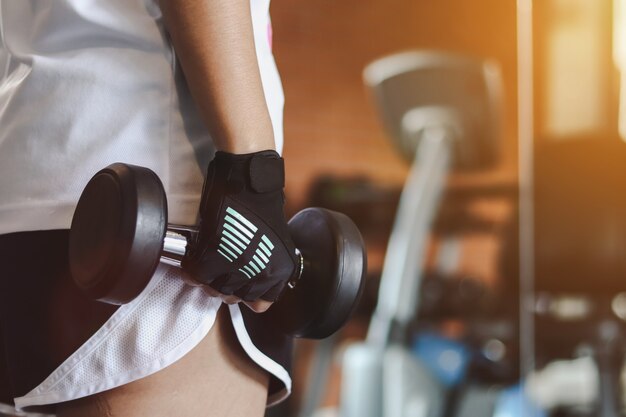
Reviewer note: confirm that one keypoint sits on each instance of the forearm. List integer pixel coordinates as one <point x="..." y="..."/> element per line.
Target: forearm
<point x="214" y="42"/>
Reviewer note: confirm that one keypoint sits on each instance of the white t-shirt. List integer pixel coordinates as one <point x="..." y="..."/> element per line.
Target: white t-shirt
<point x="85" y="83"/>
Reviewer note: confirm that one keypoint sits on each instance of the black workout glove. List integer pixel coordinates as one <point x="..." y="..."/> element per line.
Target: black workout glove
<point x="243" y="247"/>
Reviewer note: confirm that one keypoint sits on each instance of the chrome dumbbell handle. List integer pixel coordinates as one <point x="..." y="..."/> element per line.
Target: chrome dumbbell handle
<point x="175" y="243"/>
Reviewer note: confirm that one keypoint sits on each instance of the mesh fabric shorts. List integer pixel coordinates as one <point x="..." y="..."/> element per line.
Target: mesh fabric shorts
<point x="57" y="345"/>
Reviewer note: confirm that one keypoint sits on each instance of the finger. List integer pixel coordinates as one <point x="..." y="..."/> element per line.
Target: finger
<point x="244" y="292"/>
<point x="230" y="299"/>
<point x="211" y="291"/>
<point x="260" y="306"/>
<point x="273" y="293"/>
<point x="229" y="282"/>
<point x="189" y="280"/>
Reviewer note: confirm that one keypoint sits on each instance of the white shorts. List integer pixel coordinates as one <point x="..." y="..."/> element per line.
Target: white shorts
<point x="166" y="321"/>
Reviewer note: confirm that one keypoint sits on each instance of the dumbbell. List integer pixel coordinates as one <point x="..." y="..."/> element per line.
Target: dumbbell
<point x="120" y="233"/>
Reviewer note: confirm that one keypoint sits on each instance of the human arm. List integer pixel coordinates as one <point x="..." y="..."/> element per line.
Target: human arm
<point x="214" y="43"/>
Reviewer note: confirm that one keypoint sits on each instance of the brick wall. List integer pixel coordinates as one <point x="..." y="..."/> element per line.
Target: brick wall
<point x="321" y="48"/>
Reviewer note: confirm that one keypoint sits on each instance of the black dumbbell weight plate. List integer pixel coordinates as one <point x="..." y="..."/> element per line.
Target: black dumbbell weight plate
<point x="117" y="233"/>
<point x="332" y="281"/>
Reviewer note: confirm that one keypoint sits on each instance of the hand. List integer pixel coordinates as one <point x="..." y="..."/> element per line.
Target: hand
<point x="259" y="306"/>
<point x="243" y="251"/>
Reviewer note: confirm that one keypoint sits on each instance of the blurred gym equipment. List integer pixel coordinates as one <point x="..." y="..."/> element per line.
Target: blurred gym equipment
<point x="572" y="157"/>
<point x="580" y="241"/>
<point x="442" y="112"/>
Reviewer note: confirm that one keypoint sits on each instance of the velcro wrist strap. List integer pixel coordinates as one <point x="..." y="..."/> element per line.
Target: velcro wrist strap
<point x="267" y="172"/>
<point x="262" y="171"/>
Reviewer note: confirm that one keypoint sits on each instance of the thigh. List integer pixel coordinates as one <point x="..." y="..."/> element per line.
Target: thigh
<point x="217" y="378"/>
<point x="5" y="390"/>
<point x="44" y="317"/>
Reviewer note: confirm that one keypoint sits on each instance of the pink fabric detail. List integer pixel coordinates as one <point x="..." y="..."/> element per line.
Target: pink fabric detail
<point x="269" y="34"/>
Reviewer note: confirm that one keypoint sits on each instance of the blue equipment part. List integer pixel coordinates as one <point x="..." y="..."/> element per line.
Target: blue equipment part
<point x="513" y="402"/>
<point x="445" y="358"/>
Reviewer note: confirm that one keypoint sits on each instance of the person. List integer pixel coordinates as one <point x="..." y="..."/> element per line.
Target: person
<point x="171" y="86"/>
